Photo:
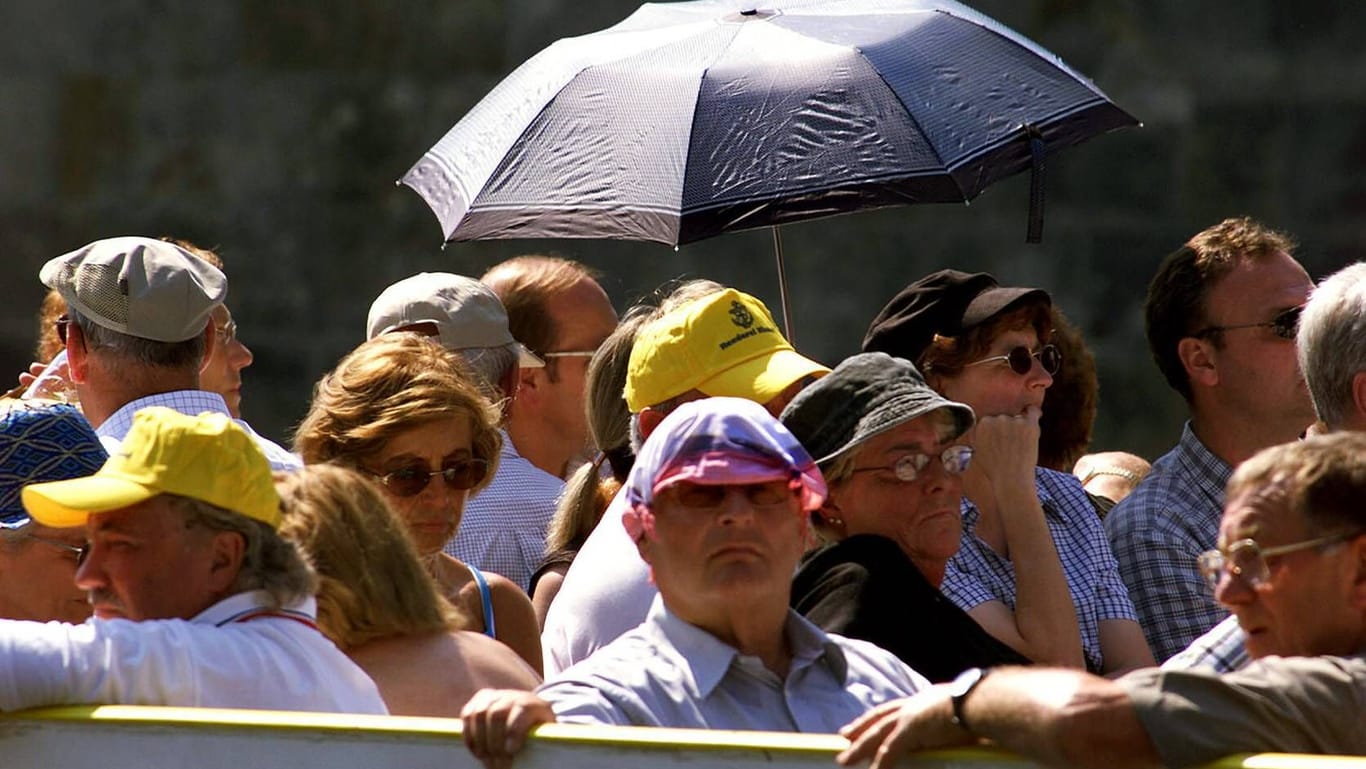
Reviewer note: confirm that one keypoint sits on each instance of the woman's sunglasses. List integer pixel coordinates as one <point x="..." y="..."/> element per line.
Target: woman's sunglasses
<point x="1021" y="360"/>
<point x="459" y="476"/>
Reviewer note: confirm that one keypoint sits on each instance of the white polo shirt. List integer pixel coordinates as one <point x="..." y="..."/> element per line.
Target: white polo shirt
<point x="234" y="654"/>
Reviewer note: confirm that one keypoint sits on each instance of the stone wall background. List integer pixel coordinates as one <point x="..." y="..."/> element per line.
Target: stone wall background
<point x="273" y="131"/>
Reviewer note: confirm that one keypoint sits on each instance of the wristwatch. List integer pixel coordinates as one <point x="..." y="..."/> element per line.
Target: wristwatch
<point x="959" y="690"/>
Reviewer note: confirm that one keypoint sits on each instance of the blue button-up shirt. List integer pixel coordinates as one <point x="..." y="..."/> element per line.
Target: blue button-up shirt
<point x="666" y="672"/>
<point x="1159" y="531"/>
<point x="977" y="574"/>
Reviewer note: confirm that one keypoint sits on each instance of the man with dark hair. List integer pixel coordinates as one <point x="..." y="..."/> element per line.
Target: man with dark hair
<point x="1332" y="353"/>
<point x="1221" y="318"/>
<point x="139" y="326"/>
<point x="198" y="601"/>
<point x="1290" y="563"/>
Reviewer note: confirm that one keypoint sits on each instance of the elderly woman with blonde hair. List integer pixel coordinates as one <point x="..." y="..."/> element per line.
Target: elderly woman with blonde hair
<point x="380" y="607"/>
<point x="407" y="413"/>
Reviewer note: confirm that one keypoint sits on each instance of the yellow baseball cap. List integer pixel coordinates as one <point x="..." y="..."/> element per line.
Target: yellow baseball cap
<point x="207" y="457"/>
<point x="724" y="344"/>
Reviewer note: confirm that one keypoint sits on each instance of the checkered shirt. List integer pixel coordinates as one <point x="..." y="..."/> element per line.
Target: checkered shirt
<point x="191" y="403"/>
<point x="504" y="526"/>
<point x="1159" y="531"/>
<point x="977" y="574"/>
<point x="1223" y="650"/>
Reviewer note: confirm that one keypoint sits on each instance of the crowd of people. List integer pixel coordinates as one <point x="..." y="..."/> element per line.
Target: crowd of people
<point x="510" y="506"/>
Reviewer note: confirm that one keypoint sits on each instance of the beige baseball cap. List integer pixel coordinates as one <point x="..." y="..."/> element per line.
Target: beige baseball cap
<point x="141" y="287"/>
<point x="465" y="313"/>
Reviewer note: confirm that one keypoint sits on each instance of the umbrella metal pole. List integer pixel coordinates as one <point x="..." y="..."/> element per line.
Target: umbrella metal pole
<point x="782" y="286"/>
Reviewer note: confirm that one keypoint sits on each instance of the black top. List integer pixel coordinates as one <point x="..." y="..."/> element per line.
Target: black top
<point x="563" y="557"/>
<point x="864" y="587"/>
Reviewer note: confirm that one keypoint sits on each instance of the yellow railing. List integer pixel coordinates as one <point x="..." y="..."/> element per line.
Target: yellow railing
<point x="110" y="737"/>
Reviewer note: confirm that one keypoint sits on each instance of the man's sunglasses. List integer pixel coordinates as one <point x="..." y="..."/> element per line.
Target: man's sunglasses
<point x="410" y="481"/>
<point x="1021" y="360"/>
<point x="1284" y="325"/>
<point x="60" y="324"/>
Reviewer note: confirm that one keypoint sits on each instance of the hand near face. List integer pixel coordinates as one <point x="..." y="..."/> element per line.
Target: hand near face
<point x="497" y="721"/>
<point x="893" y="729"/>
<point x="1006" y="449"/>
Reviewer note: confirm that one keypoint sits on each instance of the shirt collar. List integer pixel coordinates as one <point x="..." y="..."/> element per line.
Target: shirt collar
<point x="707" y="658"/>
<point x="251" y="602"/>
<point x="1209" y="470"/>
<point x="188" y="402"/>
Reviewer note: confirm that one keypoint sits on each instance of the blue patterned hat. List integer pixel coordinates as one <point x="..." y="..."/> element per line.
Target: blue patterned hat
<point x="42" y="443"/>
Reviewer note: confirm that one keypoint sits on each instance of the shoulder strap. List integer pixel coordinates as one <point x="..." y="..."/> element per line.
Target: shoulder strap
<point x="485" y="600"/>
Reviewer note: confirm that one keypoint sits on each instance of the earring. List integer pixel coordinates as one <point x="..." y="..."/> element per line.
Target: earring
<point x="833" y="521"/>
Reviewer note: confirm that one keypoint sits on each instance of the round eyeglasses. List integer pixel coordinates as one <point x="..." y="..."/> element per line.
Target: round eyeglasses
<point x="1247" y="560"/>
<point x="906" y="469"/>
<point x="458" y="476"/>
<point x="1021" y="359"/>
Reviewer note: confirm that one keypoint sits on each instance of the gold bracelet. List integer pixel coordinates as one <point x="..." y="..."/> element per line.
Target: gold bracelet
<point x="1128" y="475"/>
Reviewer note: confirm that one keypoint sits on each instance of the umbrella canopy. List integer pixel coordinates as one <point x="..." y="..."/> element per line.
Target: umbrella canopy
<point x="690" y="119"/>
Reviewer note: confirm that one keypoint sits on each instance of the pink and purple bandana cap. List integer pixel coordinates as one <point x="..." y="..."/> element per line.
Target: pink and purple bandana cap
<point x="718" y="441"/>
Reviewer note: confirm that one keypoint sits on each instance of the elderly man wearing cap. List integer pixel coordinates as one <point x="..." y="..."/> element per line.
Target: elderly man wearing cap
<point x="890" y="449"/>
<point x="197" y="600"/>
<point x="504" y="525"/>
<point x="708" y="341"/>
<point x="138" y="330"/>
<point x="718" y="501"/>
<point x="38" y="563"/>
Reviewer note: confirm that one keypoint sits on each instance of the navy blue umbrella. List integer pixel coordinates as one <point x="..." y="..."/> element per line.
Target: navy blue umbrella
<point x="691" y="119"/>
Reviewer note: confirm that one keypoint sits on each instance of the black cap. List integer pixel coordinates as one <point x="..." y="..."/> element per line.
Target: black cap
<point x="948" y="303"/>
<point x="866" y="394"/>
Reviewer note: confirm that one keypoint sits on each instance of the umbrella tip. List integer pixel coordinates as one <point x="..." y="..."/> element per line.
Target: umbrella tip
<point x="750" y="13"/>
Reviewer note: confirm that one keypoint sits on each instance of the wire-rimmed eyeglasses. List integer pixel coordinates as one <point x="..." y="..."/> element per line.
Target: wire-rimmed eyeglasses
<point x="1021" y="359"/>
<point x="1247" y="560"/>
<point x="1284" y="325"/>
<point x="907" y="468"/>
<point x="80" y="552"/>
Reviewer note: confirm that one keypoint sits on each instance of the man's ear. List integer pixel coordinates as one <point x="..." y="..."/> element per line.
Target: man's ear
<point x="649" y="420"/>
<point x="77" y="356"/>
<point x="227" y="551"/>
<point x="1359" y="396"/>
<point x="1358" y="550"/>
<point x="530" y="385"/>
<point x="1197" y="358"/>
